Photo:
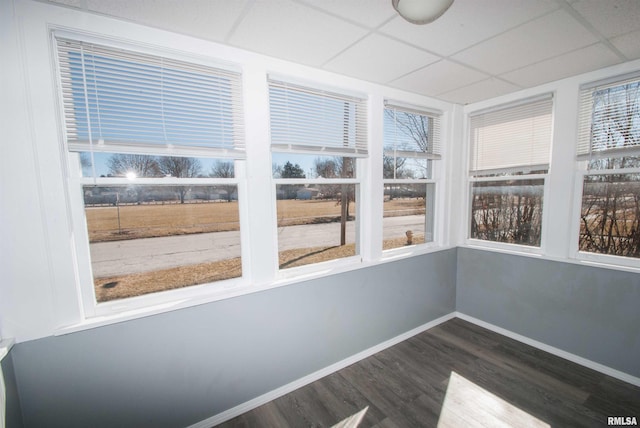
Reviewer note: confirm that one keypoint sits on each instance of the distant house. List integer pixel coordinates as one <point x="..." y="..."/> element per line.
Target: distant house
<point x="308" y="193"/>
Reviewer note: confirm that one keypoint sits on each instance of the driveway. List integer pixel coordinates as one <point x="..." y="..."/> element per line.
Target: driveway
<point x="148" y="254"/>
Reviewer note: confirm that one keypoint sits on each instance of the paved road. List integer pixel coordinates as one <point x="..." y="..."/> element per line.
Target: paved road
<point x="142" y="255"/>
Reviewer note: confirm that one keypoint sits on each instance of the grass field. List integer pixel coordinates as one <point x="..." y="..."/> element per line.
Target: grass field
<point x="123" y="286"/>
<point x="144" y="221"/>
<point x="153" y="220"/>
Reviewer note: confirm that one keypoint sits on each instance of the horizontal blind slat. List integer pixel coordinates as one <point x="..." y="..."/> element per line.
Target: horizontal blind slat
<point x="130" y="97"/>
<point x="514" y="137"/>
<point x="609" y="118"/>
<point x="308" y="120"/>
<point x="413" y="131"/>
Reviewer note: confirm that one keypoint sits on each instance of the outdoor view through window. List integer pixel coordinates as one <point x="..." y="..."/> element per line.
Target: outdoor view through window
<point x="316" y="138"/>
<point x="411" y="144"/>
<point x="147" y="237"/>
<point x="316" y="220"/>
<point x="509" y="162"/>
<point x="609" y="142"/>
<point x="157" y="140"/>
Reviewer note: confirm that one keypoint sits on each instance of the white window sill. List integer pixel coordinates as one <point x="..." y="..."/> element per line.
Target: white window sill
<point x="517" y="251"/>
<point x="501" y="247"/>
<point x="240" y="290"/>
<point x="5" y="347"/>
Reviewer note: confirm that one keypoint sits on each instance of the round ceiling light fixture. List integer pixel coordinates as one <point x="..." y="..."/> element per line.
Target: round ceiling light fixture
<point x="421" y="11"/>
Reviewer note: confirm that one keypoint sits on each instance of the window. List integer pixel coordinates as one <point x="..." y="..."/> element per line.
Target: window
<point x="609" y="156"/>
<point x="411" y="145"/>
<point x="317" y="137"/>
<point x="510" y="152"/>
<point x="153" y="143"/>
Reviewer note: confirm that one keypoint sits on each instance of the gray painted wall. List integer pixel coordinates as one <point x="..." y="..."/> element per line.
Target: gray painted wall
<point x="13" y="416"/>
<point x="590" y="312"/>
<point x="184" y="366"/>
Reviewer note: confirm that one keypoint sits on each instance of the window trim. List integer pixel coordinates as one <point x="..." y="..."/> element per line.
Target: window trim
<point x="473" y="176"/>
<point x="436" y="157"/>
<point x="607" y="260"/>
<point x="583" y="153"/>
<point x="518" y="248"/>
<point x="328" y="265"/>
<point x="84" y="276"/>
<point x="360" y="153"/>
<point x="584" y="146"/>
<point x="90" y="308"/>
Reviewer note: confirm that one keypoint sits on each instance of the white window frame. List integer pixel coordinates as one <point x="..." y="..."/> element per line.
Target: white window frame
<point x="75" y="182"/>
<point x="436" y="159"/>
<point x="582" y="171"/>
<point x="358" y="153"/>
<point x="585" y="256"/>
<point x="509" y="176"/>
<point x="328" y="265"/>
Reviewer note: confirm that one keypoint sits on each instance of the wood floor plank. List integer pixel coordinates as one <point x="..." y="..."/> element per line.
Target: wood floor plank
<point x="267" y="415"/>
<point x="420" y="376"/>
<point x="509" y="363"/>
<point x="379" y="392"/>
<point x="523" y="393"/>
<point x="385" y="423"/>
<point x="555" y="366"/>
<point x="344" y="400"/>
<point x="614" y="397"/>
<point x="304" y="409"/>
<point x="410" y="383"/>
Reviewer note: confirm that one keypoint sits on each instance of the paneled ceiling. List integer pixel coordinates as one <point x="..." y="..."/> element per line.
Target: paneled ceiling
<point x="478" y="49"/>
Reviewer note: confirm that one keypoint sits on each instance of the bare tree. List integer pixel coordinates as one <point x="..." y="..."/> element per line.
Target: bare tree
<point x="180" y="167"/>
<point x="418" y="129"/>
<point x="610" y="215"/>
<point x="326" y="167"/>
<point x="141" y="165"/>
<point x="508" y="211"/>
<point x="224" y="169"/>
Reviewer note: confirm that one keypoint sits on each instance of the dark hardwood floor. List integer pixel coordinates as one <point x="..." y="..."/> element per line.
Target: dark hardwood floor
<point x="456" y="374"/>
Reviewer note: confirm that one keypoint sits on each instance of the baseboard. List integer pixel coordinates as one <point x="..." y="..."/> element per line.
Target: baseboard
<point x="552" y="350"/>
<point x="290" y="387"/>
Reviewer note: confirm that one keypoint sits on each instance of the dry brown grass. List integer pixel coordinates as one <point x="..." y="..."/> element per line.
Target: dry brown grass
<point x="147" y="221"/>
<point x="123" y="286"/>
<point x="142" y="221"/>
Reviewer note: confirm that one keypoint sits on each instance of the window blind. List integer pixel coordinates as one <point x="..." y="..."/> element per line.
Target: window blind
<point x="411" y="133"/>
<point x="308" y="120"/>
<point x="119" y="100"/>
<point x="514" y="138"/>
<point x="609" y="119"/>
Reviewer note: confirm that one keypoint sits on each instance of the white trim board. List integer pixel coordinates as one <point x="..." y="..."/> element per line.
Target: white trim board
<point x="5" y="347"/>
<point x="553" y="350"/>
<point x="299" y="383"/>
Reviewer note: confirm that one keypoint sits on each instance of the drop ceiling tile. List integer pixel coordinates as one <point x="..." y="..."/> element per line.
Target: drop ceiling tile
<point x="73" y="3"/>
<point x="205" y="19"/>
<point x="468" y="22"/>
<point x="370" y="13"/>
<point x="610" y="17"/>
<point x="435" y="79"/>
<point x="379" y="59"/>
<point x="570" y="64"/>
<point x="291" y="31"/>
<point x="628" y="44"/>
<point x="483" y="90"/>
<point x="535" y="41"/>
